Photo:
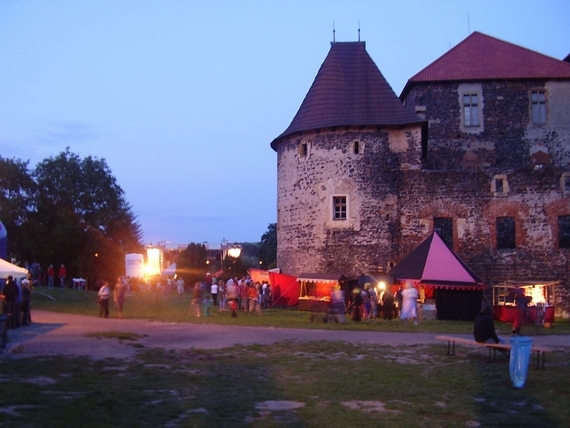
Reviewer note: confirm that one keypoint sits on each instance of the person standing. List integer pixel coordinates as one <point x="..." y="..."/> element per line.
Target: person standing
<point x="62" y="275"/>
<point x="26" y="302"/>
<point x="119" y="294"/>
<point x="10" y="292"/>
<point x="232" y="295"/>
<point x="521" y="306"/>
<point x="18" y="304"/>
<point x="103" y="294"/>
<point x="409" y="302"/>
<point x="214" y="291"/>
<point x="338" y="304"/>
<point x="387" y="305"/>
<point x="196" y="299"/>
<point x="253" y="299"/>
<point x="180" y="287"/>
<point x="356" y="304"/>
<point x="50" y="275"/>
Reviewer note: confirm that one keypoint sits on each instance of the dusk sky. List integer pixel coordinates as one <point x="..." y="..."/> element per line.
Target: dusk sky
<point x="183" y="98"/>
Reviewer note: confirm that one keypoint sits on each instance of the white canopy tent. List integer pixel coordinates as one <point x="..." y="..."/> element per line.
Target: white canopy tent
<point x="7" y="268"/>
<point x="170" y="270"/>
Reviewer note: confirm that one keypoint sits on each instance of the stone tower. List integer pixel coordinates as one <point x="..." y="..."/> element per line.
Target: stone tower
<point x="341" y="164"/>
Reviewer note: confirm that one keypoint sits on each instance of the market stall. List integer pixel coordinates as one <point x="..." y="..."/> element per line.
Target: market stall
<point x="315" y="290"/>
<point x="441" y="277"/>
<point x="540" y="309"/>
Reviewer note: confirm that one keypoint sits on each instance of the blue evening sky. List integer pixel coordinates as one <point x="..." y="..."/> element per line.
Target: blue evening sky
<point x="183" y="98"/>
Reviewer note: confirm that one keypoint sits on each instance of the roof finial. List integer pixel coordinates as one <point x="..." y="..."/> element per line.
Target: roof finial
<point x="359" y="30"/>
<point x="333" y="33"/>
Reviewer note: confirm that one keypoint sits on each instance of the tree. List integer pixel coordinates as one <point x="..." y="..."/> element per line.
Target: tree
<point x="268" y="249"/>
<point x="81" y="218"/>
<point x="191" y="263"/>
<point x="233" y="267"/>
<point x="17" y="189"/>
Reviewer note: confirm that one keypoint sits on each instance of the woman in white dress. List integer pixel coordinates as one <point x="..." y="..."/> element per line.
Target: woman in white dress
<point x="409" y="302"/>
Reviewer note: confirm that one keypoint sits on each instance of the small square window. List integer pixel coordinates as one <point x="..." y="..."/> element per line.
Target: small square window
<point x="471" y="109"/>
<point x="303" y="149"/>
<point x="356" y="147"/>
<point x="538" y="107"/>
<point x="506" y="233"/>
<point x="339" y="207"/>
<point x="564" y="231"/>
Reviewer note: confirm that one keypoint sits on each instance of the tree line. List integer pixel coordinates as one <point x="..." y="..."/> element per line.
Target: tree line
<point x="67" y="210"/>
<point x="71" y="210"/>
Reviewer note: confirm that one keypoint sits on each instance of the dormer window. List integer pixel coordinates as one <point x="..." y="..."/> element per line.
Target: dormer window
<point x="499" y="185"/>
<point x="538" y="107"/>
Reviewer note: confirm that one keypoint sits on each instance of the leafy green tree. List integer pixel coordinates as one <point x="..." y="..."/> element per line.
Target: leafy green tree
<point x="232" y="267"/>
<point x="81" y="217"/>
<point x="268" y="248"/>
<point x="17" y="189"/>
<point x="191" y="263"/>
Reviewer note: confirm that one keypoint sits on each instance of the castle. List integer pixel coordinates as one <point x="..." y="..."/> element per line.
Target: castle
<point x="477" y="148"/>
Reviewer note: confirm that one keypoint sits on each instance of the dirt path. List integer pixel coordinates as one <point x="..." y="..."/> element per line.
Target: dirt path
<point x="55" y="333"/>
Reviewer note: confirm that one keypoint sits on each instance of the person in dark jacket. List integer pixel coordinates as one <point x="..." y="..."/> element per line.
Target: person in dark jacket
<point x="484" y="328"/>
<point x="10" y="293"/>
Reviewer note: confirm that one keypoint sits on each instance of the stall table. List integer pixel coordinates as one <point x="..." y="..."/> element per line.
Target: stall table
<point x="505" y="313"/>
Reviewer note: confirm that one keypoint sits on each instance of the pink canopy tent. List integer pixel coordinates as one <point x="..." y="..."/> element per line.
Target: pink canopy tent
<point x="443" y="275"/>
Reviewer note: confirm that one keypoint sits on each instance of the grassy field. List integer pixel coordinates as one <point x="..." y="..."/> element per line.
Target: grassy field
<point x="319" y="384"/>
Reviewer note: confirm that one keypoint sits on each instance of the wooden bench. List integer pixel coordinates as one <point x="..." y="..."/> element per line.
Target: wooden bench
<point x="493" y="347"/>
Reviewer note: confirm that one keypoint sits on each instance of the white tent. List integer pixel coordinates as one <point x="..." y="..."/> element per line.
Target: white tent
<point x="170" y="270"/>
<point x="7" y="268"/>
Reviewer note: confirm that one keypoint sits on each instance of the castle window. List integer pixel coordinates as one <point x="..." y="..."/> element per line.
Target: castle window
<point x="565" y="183"/>
<point x="471" y="107"/>
<point x="471" y="110"/>
<point x="356" y="147"/>
<point x="303" y="149"/>
<point x="564" y="231"/>
<point x="499" y="185"/>
<point x="339" y="207"/>
<point x="538" y="107"/>
<point x="506" y="233"/>
<point x="444" y="228"/>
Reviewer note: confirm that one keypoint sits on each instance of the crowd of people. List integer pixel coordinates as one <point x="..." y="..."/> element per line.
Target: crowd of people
<point x="16" y="295"/>
<point x="233" y="295"/>
<point x="366" y="303"/>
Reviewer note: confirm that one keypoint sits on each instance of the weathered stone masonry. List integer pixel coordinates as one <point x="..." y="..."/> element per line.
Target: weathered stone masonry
<point x="398" y="178"/>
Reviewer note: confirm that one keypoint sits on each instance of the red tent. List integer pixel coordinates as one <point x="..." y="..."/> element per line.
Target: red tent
<point x="458" y="291"/>
<point x="285" y="289"/>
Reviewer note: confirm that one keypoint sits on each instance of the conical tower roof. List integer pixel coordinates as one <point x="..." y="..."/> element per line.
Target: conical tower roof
<point x="349" y="90"/>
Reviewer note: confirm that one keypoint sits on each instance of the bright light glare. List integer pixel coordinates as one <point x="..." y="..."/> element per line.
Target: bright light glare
<point x="234" y="252"/>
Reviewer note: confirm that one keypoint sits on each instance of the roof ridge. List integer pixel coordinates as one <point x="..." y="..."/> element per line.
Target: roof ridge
<point x="484" y="57"/>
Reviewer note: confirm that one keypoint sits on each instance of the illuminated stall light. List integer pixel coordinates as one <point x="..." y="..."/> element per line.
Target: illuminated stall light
<point x="153" y="262"/>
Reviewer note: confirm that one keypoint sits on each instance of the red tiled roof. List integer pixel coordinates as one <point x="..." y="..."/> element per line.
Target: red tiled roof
<point x="482" y="57"/>
<point x="349" y="90"/>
